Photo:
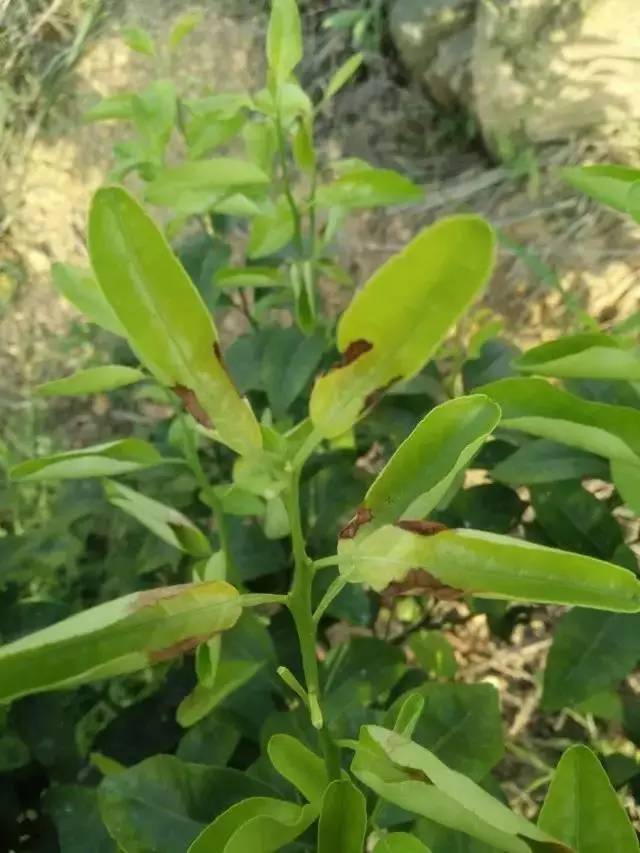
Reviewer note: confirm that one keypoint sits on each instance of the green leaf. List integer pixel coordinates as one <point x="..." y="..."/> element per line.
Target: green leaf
<point x="163" y="803"/>
<point x="434" y="653"/>
<point x="488" y="565"/>
<point x="539" y="408"/>
<point x="575" y="520"/>
<point x="588" y="356"/>
<point x="302" y="145"/>
<point x="164" y="315"/>
<point x="289" y="362"/>
<point x="118" y="106"/>
<point x="395" y="323"/>
<point x="412" y="778"/>
<point x="626" y="479"/>
<point x="420" y="472"/>
<point x="343" y="75"/>
<point x="369" y="188"/>
<point x="460" y="724"/>
<point x="120" y="636"/>
<point x="261" y="144"/>
<point x="284" y="39"/>
<point x="99" y="460"/>
<point x="410" y="708"/>
<point x="139" y="40"/>
<point x="195" y="185"/>
<point x="93" y="380"/>
<point x="14" y="752"/>
<point x="230" y="676"/>
<point x="167" y="523"/>
<point x="609" y="184"/>
<point x="154" y="114"/>
<point x="544" y="461"/>
<point x="182" y="27"/>
<point x="212" y="741"/>
<point x="74" y="811"/>
<point x="582" y="809"/>
<point x="591" y="652"/>
<point x="271" y="230"/>
<point x="81" y="288"/>
<point x="343" y="819"/>
<point x="259" y="824"/>
<point x="400" y="842"/>
<point x="255" y="276"/>
<point x="209" y="128"/>
<point x="299" y="765"/>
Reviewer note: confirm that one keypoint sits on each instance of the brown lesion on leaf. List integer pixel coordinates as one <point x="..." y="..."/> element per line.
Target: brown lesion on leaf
<point x="179" y="648"/>
<point x="372" y="399"/>
<point x="422" y="528"/>
<point x="421" y="582"/>
<point x="362" y="516"/>
<point x="355" y="350"/>
<point x="192" y="405"/>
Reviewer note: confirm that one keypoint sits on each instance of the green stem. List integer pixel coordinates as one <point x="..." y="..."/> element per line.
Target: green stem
<point x="334" y="590"/>
<point x="326" y="562"/>
<point x="286" y="179"/>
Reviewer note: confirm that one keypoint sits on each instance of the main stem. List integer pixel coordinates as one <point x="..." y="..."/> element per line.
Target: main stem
<point x="300" y="605"/>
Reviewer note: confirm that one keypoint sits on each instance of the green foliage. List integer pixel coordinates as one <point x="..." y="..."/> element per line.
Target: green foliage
<point x="273" y="494"/>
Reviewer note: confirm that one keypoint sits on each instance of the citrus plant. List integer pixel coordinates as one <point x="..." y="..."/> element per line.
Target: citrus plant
<point x="276" y="738"/>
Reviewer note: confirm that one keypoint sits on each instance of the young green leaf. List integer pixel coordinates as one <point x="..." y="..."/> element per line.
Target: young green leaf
<point x="395" y="323"/>
<point x="412" y="778"/>
<point x="297" y="764"/>
<point x="284" y="40"/>
<point x="582" y="809"/>
<point x="99" y="460"/>
<point x="369" y="188"/>
<point x="343" y="75"/>
<point x="139" y="40"/>
<point x="182" y="27"/>
<point x="259" y="823"/>
<point x="591" y="652"/>
<point x="121" y="636"/>
<point x="92" y="380"/>
<point x="167" y="523"/>
<point x="271" y="230"/>
<point x="230" y="675"/>
<point x="588" y="356"/>
<point x="487" y="565"/>
<point x="112" y="107"/>
<point x="164" y="315"/>
<point x="193" y="186"/>
<point x="608" y="184"/>
<point x="154" y="115"/>
<point x="254" y="276"/>
<point x="539" y="408"/>
<point x="343" y="819"/>
<point x="400" y="842"/>
<point x="81" y="288"/>
<point x="422" y="469"/>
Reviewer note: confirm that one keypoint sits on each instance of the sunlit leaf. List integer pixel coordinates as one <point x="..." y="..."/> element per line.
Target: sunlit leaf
<point x="81" y="288"/>
<point x="369" y="188"/>
<point x="342" y="76"/>
<point x="588" y="356"/>
<point x="609" y="184"/>
<point x="112" y="107"/>
<point x="164" y="315"/>
<point x="395" y="323"/>
<point x="284" y="39"/>
<point x="182" y="27"/>
<point x="140" y="40"/>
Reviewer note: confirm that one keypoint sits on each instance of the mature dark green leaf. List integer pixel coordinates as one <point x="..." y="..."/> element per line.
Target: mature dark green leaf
<point x="212" y="741"/>
<point x="290" y="360"/>
<point x="460" y="724"/>
<point x="434" y="653"/>
<point x="443" y="840"/>
<point x="544" y="461"/>
<point x="490" y="506"/>
<point x="343" y="819"/>
<point x="100" y="460"/>
<point x="163" y="803"/>
<point x="582" y="809"/>
<point x="398" y="319"/>
<point x="591" y="652"/>
<point x="80" y="829"/>
<point x="539" y="408"/>
<point x="576" y="520"/>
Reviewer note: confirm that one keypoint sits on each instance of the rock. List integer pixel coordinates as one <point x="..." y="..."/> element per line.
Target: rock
<point x="546" y="70"/>
<point x="434" y="39"/>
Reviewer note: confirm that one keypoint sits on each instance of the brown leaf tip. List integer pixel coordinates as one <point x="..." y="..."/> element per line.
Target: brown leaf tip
<point x="149" y="597"/>
<point x="179" y="648"/>
<point x="362" y="516"/>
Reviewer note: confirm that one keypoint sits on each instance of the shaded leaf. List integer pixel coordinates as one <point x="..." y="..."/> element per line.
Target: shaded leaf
<point x="343" y="819"/>
<point x="74" y="810"/>
<point x="545" y="461"/>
